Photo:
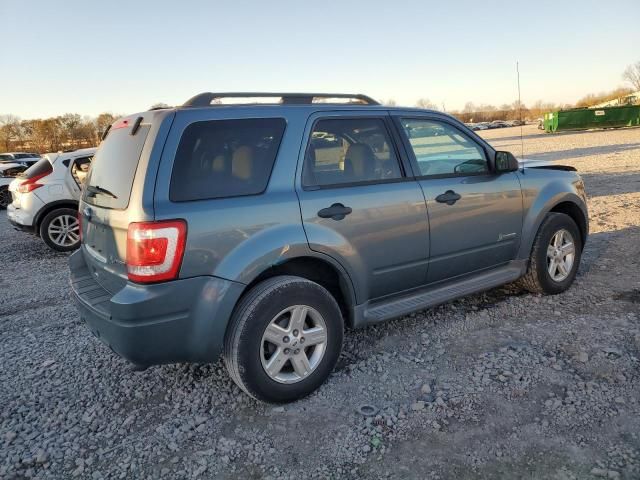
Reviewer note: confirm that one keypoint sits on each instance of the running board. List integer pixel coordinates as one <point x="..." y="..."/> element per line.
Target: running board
<point x="425" y="297"/>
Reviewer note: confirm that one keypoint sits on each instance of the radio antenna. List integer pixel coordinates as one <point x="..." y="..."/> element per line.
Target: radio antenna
<point x="520" y="109"/>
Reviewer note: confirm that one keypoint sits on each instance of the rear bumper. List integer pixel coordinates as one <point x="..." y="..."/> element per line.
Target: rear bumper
<point x="178" y="321"/>
<point x="22" y="212"/>
<point x="19" y="226"/>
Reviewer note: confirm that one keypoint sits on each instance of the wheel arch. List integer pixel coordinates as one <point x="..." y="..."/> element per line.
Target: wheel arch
<point x="319" y="270"/>
<point x="553" y="198"/>
<point x="572" y="210"/>
<point x="50" y="207"/>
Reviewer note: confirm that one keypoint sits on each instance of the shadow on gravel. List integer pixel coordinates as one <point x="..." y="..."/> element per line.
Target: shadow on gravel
<point x="31" y="247"/>
<point x="597" y="243"/>
<point x="605" y="184"/>
<point x="632" y="296"/>
<point x="583" y="152"/>
<point x="542" y="135"/>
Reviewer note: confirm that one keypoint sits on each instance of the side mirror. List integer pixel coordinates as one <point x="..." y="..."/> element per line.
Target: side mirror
<point x="506" y="162"/>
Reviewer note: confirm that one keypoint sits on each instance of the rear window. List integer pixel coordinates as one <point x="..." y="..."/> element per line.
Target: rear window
<point x="41" y="167"/>
<point x="225" y="158"/>
<point x="113" y="168"/>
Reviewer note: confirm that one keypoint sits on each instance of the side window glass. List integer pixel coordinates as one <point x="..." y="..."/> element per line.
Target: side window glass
<point x="441" y="149"/>
<point x="225" y="158"/>
<point x="80" y="169"/>
<point x="349" y="151"/>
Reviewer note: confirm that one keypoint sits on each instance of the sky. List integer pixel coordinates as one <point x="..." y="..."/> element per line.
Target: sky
<point x="121" y="56"/>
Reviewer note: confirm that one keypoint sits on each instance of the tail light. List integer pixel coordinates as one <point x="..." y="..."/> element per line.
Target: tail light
<point x="31" y="184"/>
<point x="155" y="250"/>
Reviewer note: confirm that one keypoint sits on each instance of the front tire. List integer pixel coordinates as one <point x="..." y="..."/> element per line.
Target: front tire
<point x="60" y="230"/>
<point x="284" y="339"/>
<point x="555" y="256"/>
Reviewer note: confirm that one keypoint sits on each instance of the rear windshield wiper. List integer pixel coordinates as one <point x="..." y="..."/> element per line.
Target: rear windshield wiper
<point x="96" y="189"/>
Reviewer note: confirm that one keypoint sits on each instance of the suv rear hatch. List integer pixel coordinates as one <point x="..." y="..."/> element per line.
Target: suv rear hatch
<point x="108" y="206"/>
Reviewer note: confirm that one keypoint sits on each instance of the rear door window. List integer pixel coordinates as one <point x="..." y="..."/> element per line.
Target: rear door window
<point x="225" y="158"/>
<point x="80" y="169"/>
<point x="349" y="152"/>
<point x="114" y="167"/>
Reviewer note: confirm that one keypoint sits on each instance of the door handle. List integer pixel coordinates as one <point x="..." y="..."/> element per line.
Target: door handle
<point x="449" y="197"/>
<point x="337" y="211"/>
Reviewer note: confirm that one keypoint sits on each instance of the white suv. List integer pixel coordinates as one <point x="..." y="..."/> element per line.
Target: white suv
<point x="45" y="198"/>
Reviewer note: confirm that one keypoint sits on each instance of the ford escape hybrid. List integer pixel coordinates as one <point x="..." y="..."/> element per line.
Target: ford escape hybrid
<point x="260" y="231"/>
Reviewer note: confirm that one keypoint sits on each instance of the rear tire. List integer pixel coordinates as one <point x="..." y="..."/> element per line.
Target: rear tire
<point x="60" y="230"/>
<point x="5" y="197"/>
<point x="557" y="239"/>
<point x="284" y="339"/>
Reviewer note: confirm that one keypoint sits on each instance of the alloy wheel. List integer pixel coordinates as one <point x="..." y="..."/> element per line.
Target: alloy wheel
<point x="293" y="344"/>
<point x="561" y="254"/>
<point x="64" y="230"/>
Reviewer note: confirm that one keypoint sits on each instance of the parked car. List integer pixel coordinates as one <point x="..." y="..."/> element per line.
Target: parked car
<point x="8" y="171"/>
<point x="238" y="229"/>
<point x="17" y="157"/>
<point x="498" y="124"/>
<point x="45" y="198"/>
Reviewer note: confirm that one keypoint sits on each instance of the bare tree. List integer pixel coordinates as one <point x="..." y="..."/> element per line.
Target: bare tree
<point x="101" y="123"/>
<point x="632" y="75"/>
<point x="426" y="103"/>
<point x="9" y="131"/>
<point x="390" y="102"/>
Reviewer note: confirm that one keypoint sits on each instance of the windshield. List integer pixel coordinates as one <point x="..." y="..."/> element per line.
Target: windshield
<point x="114" y="167"/>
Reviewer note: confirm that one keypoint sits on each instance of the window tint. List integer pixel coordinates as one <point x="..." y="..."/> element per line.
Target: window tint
<point x="441" y="149"/>
<point x="114" y="168"/>
<point x="345" y="151"/>
<point x="225" y="158"/>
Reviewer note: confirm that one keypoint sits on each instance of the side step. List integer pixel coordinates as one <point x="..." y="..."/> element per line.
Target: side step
<point x="419" y="299"/>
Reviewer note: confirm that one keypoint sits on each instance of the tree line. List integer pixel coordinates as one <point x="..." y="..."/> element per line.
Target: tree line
<point x="516" y="111"/>
<point x="71" y="131"/>
<point x="475" y="113"/>
<point x="66" y="132"/>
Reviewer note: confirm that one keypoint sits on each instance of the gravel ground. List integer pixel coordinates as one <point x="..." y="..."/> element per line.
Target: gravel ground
<point x="499" y="385"/>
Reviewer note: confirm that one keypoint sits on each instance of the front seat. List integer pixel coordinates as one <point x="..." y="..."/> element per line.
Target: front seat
<point x="242" y="164"/>
<point x="360" y="163"/>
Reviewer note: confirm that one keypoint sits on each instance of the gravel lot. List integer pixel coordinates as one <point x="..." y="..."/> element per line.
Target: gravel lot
<point x="499" y="385"/>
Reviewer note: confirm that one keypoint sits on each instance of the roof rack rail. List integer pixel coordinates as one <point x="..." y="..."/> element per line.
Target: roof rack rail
<point x="206" y="99"/>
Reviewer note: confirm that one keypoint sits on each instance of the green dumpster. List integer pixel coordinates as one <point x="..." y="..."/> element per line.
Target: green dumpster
<point x="585" y="118"/>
